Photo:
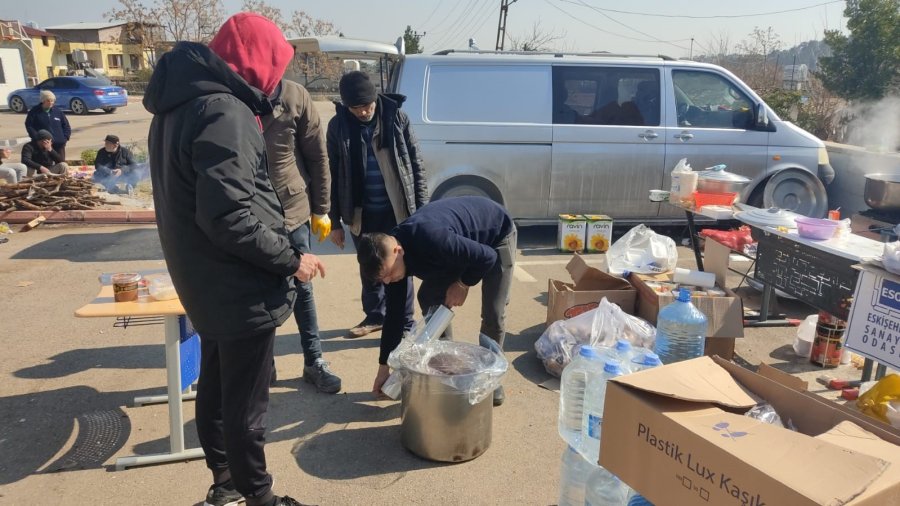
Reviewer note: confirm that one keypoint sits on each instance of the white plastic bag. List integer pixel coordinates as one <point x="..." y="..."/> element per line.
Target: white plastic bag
<point x="600" y="326"/>
<point x="891" y="256"/>
<point x="806" y="332"/>
<point x="643" y="251"/>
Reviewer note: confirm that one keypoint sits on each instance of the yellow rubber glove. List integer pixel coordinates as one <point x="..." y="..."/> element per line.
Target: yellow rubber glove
<point x="321" y="226"/>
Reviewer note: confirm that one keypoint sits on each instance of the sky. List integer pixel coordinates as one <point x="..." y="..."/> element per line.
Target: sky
<point x="647" y="27"/>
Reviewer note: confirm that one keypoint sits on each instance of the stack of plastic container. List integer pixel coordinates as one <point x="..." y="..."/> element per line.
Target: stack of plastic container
<point x="582" y="395"/>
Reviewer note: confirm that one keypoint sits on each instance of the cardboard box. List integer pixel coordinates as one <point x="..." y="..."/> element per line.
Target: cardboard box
<point x="565" y="300"/>
<point x="677" y="435"/>
<point x="599" y="233"/>
<point x="571" y="232"/>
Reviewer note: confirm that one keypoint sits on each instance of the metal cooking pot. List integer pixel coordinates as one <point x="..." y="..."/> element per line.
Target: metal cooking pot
<point x="883" y="192"/>
<point x="717" y="180"/>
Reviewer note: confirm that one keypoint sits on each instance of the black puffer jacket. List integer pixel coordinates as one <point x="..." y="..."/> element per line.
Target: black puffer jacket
<point x="220" y="223"/>
<point x="396" y="135"/>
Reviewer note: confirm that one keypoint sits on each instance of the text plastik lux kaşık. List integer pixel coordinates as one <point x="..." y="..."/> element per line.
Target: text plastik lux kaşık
<point x="718" y="480"/>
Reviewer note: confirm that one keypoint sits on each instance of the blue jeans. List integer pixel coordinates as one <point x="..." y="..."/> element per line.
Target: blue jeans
<point x="305" y="306"/>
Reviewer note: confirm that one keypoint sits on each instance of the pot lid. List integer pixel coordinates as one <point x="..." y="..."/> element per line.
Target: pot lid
<point x="772" y="217"/>
<point x="718" y="173"/>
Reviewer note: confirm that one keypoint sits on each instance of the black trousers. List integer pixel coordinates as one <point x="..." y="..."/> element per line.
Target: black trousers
<point x="494" y="292"/>
<point x="232" y="400"/>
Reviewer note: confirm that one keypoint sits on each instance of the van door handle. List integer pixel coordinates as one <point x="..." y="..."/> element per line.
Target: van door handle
<point x="647" y="135"/>
<point x="684" y="136"/>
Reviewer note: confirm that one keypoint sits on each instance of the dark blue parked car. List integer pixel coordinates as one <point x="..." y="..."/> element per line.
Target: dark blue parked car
<point x="75" y="93"/>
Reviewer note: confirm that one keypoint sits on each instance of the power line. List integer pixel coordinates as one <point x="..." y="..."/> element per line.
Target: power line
<point x="595" y="27"/>
<point x="436" y="7"/>
<point x="482" y="14"/>
<point x="717" y="16"/>
<point x="607" y="16"/>
<point x="450" y="31"/>
<point x="446" y="18"/>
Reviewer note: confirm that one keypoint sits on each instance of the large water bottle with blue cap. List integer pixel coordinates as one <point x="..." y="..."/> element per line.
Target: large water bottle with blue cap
<point x="594" y="397"/>
<point x="571" y="395"/>
<point x="644" y="359"/>
<point x="680" y="330"/>
<point x="621" y="351"/>
<point x="603" y="488"/>
<point x="574" y="473"/>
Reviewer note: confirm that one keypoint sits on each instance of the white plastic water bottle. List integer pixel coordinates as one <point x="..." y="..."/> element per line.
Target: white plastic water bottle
<point x="680" y="330"/>
<point x="571" y="395"/>
<point x="621" y="351"/>
<point x="644" y="359"/>
<point x="574" y="472"/>
<point x="603" y="488"/>
<point x="594" y="397"/>
<point x="638" y="500"/>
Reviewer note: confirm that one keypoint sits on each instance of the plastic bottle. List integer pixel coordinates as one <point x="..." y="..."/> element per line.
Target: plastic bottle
<point x="594" y="397"/>
<point x="603" y="488"/>
<point x="644" y="359"/>
<point x="571" y="395"/>
<point x="621" y="351"/>
<point x="638" y="500"/>
<point x="574" y="472"/>
<point x="680" y="330"/>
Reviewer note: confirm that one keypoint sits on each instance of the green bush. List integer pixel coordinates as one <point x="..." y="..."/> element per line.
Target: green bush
<point x="88" y="156"/>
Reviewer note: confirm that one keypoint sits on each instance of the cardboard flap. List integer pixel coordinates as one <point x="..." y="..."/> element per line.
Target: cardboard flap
<point x="697" y="380"/>
<point x="853" y="437"/>
<point x="820" y="470"/>
<point x="591" y="278"/>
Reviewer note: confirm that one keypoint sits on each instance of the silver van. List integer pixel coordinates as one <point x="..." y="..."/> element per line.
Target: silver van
<point x="545" y="134"/>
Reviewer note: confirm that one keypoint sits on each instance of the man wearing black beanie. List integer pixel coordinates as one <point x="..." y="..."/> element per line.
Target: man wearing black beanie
<point x="377" y="177"/>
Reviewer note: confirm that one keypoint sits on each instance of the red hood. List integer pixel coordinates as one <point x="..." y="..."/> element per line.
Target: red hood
<point x="255" y="48"/>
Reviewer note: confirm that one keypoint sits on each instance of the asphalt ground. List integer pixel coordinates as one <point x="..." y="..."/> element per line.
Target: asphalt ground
<point x="67" y="387"/>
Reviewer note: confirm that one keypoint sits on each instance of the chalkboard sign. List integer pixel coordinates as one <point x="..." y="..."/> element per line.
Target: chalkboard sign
<point x="820" y="279"/>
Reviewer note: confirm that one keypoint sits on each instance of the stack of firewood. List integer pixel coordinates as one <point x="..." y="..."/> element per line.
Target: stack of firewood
<point x="45" y="192"/>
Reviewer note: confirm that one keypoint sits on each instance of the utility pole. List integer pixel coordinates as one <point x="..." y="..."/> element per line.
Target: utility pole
<point x="691" y="57"/>
<point x="501" y="25"/>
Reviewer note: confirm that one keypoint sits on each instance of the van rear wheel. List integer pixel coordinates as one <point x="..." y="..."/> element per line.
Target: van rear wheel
<point x="468" y="188"/>
<point x="798" y="191"/>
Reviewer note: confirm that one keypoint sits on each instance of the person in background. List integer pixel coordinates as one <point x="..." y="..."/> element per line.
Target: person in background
<point x="221" y="228"/>
<point x="298" y="168"/>
<point x="40" y="157"/>
<point x="377" y="177"/>
<point x="451" y="245"/>
<point x="115" y="164"/>
<point x="47" y="116"/>
<point x="11" y="172"/>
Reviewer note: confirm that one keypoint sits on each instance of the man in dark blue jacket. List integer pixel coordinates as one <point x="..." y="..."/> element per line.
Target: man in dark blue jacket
<point x="47" y="116"/>
<point x="451" y="245"/>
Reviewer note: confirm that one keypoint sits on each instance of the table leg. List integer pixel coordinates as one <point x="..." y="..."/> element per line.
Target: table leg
<point x="695" y="239"/>
<point x="764" y="304"/>
<point x="176" y="416"/>
<point x="867" y="369"/>
<point x="880" y="371"/>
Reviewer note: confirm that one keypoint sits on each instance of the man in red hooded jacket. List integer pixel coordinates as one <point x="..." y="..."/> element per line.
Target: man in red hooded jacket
<point x="221" y="228"/>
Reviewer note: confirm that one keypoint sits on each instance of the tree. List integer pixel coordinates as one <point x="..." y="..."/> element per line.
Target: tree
<point x="268" y="11"/>
<point x="537" y="40"/>
<point x="865" y="64"/>
<point x="193" y="20"/>
<point x="411" y="40"/>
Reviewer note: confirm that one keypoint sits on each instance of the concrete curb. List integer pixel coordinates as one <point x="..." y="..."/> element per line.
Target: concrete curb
<point x="92" y="216"/>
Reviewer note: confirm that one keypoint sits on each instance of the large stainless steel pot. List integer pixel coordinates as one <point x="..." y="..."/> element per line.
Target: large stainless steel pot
<point x="883" y="192"/>
<point x="717" y="180"/>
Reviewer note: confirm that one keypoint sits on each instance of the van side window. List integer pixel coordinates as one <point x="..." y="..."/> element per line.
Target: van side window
<point x="606" y="96"/>
<point x="488" y="94"/>
<point x="704" y="99"/>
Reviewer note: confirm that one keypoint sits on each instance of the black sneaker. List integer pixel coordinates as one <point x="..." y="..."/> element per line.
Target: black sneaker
<point x="321" y="376"/>
<point x="288" y="501"/>
<point x="364" y="328"/>
<point x="499" y="396"/>
<point x="223" y="494"/>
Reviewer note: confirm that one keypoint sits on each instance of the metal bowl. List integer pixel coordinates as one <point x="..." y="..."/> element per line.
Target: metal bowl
<point x="717" y="180"/>
<point x="883" y="192"/>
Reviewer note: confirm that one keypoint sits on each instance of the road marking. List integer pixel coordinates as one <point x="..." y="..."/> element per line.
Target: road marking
<point x="520" y="274"/>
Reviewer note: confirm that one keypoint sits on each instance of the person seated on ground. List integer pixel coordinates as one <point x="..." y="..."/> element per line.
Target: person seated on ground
<point x="11" y="172"/>
<point x="39" y="156"/>
<point x="114" y="165"/>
